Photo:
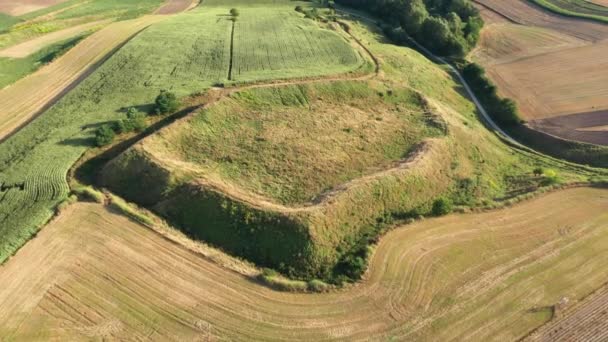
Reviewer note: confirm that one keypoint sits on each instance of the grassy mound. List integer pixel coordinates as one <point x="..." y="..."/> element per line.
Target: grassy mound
<point x="303" y="178"/>
<point x="314" y="166"/>
<point x="185" y="54"/>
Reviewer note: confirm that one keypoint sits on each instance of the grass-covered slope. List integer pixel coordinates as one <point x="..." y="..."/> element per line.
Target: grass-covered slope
<point x="304" y="177"/>
<point x="187" y="53"/>
<point x="311" y="166"/>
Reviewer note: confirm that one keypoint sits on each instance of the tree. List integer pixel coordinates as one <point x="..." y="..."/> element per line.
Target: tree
<point x="442" y="206"/>
<point x="413" y="16"/>
<point x="234" y="12"/>
<point x="166" y="102"/>
<point x="104" y="135"/>
<point x="435" y="33"/>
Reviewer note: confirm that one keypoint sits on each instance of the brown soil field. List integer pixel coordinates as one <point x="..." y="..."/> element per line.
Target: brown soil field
<point x="20" y="7"/>
<point x="524" y="13"/>
<point x="94" y="274"/>
<point x="28" y="47"/>
<point x="589" y="127"/>
<point x="586" y="321"/>
<point x="25" y="99"/>
<point x="176" y="6"/>
<point x="600" y="2"/>
<point x="554" y="67"/>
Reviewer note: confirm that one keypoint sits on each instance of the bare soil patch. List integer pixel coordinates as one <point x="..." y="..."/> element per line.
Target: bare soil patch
<point x="95" y="274"/>
<point x="586" y="321"/>
<point x="20" y="7"/>
<point x="587" y="127"/>
<point x="551" y="65"/>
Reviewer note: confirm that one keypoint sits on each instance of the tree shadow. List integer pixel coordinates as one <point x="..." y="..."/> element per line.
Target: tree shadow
<point x="144" y="108"/>
<point x="88" y="172"/>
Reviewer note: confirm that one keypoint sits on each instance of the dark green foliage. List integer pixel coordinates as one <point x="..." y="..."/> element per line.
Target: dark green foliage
<point x="442" y="206"/>
<point x="503" y="110"/>
<point x="166" y="102"/>
<point x="447" y="27"/>
<point x="135" y="122"/>
<point x="539" y="171"/>
<point x="244" y="231"/>
<point x="234" y="12"/>
<point x="104" y="135"/>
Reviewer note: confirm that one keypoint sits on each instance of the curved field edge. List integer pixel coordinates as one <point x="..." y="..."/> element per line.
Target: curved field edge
<point x="22" y="101"/>
<point x="34" y="162"/>
<point x="548" y="5"/>
<point x="437" y="279"/>
<point x="201" y="205"/>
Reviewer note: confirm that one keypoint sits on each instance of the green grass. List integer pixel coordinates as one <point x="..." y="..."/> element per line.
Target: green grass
<point x="287" y="144"/>
<point x="31" y="25"/>
<point x="185" y="54"/>
<point x="13" y="69"/>
<point x="6" y="21"/>
<point x="576" y="8"/>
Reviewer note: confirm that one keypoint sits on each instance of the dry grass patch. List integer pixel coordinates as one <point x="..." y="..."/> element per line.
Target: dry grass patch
<point x="105" y="276"/>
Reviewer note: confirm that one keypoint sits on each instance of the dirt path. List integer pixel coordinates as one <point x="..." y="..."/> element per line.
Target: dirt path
<point x="93" y="274"/>
<point x="176" y="6"/>
<point x="28" y="47"/>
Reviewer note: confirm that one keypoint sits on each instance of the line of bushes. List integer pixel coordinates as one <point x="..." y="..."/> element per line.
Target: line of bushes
<point x="446" y="27"/>
<point x="135" y="121"/>
<point x="503" y="110"/>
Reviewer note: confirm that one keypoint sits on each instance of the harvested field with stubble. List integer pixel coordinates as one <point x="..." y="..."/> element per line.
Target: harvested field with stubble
<point x="431" y="280"/>
<point x="586" y="321"/>
<point x="554" y="67"/>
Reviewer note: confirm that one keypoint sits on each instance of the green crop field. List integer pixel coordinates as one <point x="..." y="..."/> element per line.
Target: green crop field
<point x="12" y="69"/>
<point x="278" y="44"/>
<point x="186" y="54"/>
<point x="576" y="8"/>
<point x="302" y="177"/>
<point x="14" y="30"/>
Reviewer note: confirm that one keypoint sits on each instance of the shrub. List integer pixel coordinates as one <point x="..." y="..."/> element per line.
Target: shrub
<point x="273" y="279"/>
<point x="89" y="193"/>
<point x="166" y="102"/>
<point x="104" y="135"/>
<point x="135" y="121"/>
<point x="316" y="285"/>
<point x="539" y="171"/>
<point x="442" y="206"/>
<point x="550" y="177"/>
<point x="299" y="9"/>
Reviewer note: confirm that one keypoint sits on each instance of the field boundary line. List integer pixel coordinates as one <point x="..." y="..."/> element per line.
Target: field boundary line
<point x="87" y="72"/>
